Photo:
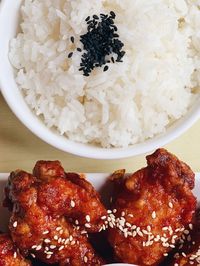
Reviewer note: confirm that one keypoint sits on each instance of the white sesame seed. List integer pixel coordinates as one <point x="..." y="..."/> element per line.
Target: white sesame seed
<point x="130" y="215"/>
<point x="140" y="233"/>
<point x="123" y="214"/>
<point x="128" y="224"/>
<point x="15" y="224"/>
<point x="171" y="205"/>
<point x="137" y="229"/>
<point x="109" y="219"/>
<point x="183" y="254"/>
<point x="147" y="243"/>
<point x="33" y="255"/>
<point x="165" y="254"/>
<point x="87" y="217"/>
<point x="125" y="234"/>
<point x="154" y="215"/>
<point x="76" y="222"/>
<point x="52" y="246"/>
<point x="49" y="252"/>
<point x="148" y="228"/>
<point x="114" y="210"/>
<point x="165" y="228"/>
<point x="48" y="256"/>
<point x="191" y="226"/>
<point x="61" y="231"/>
<point x="104" y="227"/>
<point x="72" y="203"/>
<point x="15" y="255"/>
<point x="70" y="238"/>
<point x="176" y="264"/>
<point x="55" y="237"/>
<point x="112" y="216"/>
<point x="103" y="217"/>
<point x="145" y="232"/>
<point x="134" y="234"/>
<point x="47" y="240"/>
<point x="34" y="247"/>
<point x="109" y="211"/>
<point x="59" y="240"/>
<point x="85" y="259"/>
<point x="87" y="225"/>
<point x="111" y="225"/>
<point x="61" y="247"/>
<point x="45" y="232"/>
<point x="66" y="241"/>
<point x="150" y="243"/>
<point x="38" y="247"/>
<point x="186" y="232"/>
<point x="73" y="242"/>
<point x="58" y="228"/>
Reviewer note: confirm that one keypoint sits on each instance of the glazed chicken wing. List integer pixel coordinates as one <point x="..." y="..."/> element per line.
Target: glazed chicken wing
<point x="9" y="254"/>
<point x="52" y="212"/>
<point x="152" y="209"/>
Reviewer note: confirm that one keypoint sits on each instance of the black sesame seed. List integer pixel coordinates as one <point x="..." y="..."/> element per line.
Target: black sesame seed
<point x="72" y="39"/>
<point x="88" y="18"/>
<point x="79" y="49"/>
<point x="95" y="17"/>
<point x="105" y="68"/>
<point x="112" y="14"/>
<point x="112" y="59"/>
<point x="70" y="55"/>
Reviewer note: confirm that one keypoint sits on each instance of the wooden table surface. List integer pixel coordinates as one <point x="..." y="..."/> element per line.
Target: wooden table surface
<point x="19" y="148"/>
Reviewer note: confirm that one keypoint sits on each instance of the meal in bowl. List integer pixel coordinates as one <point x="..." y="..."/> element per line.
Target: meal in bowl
<point x="109" y="72"/>
<point x="150" y="219"/>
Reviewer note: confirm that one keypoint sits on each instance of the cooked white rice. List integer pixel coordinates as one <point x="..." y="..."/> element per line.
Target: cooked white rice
<point x="134" y="100"/>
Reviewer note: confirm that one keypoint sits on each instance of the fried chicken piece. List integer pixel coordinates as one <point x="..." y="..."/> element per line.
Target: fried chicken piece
<point x="71" y="195"/>
<point x="42" y="207"/>
<point x="189" y="254"/>
<point x="9" y="254"/>
<point x="151" y="209"/>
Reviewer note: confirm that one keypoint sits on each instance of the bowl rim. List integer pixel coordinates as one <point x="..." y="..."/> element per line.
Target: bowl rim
<point x="33" y="123"/>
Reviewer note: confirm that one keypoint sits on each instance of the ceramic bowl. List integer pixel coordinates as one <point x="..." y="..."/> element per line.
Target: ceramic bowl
<point x="9" y="21"/>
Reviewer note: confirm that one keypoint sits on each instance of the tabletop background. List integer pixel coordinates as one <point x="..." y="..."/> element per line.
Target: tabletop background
<point x="19" y="148"/>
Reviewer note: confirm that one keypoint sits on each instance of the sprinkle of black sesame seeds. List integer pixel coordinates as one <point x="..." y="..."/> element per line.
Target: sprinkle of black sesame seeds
<point x="70" y="55"/>
<point x="100" y="42"/>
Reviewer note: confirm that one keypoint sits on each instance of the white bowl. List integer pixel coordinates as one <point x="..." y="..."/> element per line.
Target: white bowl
<point x="9" y="21"/>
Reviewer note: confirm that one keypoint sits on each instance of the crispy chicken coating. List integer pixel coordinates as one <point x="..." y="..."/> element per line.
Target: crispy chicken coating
<point x="52" y="212"/>
<point x="188" y="252"/>
<point x="152" y="208"/>
<point x="9" y="254"/>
